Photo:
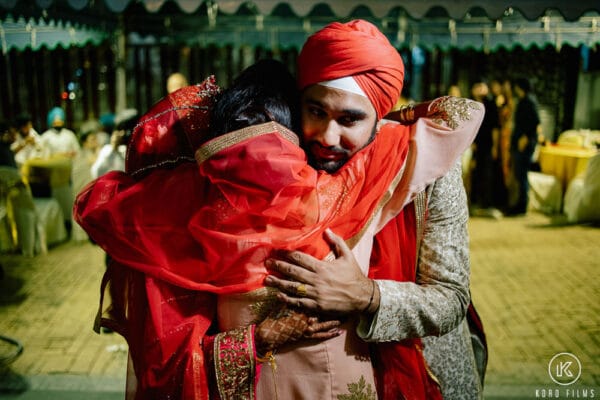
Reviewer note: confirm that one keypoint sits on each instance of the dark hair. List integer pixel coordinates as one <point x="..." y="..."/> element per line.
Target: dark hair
<point x="22" y="119"/>
<point x="126" y="120"/>
<point x="523" y="83"/>
<point x="265" y="91"/>
<point x="479" y="79"/>
<point x="4" y="126"/>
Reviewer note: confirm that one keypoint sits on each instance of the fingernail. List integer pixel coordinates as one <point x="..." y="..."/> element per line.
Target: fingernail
<point x="268" y="280"/>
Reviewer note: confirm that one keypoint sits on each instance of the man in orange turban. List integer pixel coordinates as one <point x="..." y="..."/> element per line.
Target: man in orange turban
<point x="351" y="76"/>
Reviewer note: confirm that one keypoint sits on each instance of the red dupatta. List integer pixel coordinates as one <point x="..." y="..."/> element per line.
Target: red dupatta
<point x="153" y="224"/>
<point x="210" y="228"/>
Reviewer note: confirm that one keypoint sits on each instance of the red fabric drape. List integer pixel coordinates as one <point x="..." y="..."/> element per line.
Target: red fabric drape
<point x="210" y="229"/>
<point x="172" y="130"/>
<point x="177" y="236"/>
<point x="400" y="368"/>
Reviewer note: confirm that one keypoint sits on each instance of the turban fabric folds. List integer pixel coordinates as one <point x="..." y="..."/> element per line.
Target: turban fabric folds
<point x="356" y="49"/>
<point x="54" y="116"/>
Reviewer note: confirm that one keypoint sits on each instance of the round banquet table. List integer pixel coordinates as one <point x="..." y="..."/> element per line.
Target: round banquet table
<point x="564" y="162"/>
<point x="51" y="177"/>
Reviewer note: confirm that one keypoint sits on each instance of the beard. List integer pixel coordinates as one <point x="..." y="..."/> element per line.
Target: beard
<point x="332" y="166"/>
<point x="329" y="166"/>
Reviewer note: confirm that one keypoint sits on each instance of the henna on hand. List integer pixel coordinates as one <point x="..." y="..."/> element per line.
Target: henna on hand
<point x="281" y="326"/>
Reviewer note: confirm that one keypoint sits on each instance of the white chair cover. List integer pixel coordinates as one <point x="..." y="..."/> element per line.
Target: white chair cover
<point x="33" y="224"/>
<point x="51" y="220"/>
<point x="64" y="197"/>
<point x="545" y="193"/>
<point x="582" y="199"/>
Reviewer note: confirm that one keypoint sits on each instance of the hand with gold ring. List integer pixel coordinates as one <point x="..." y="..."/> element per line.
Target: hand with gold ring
<point x="337" y="286"/>
<point x="301" y="290"/>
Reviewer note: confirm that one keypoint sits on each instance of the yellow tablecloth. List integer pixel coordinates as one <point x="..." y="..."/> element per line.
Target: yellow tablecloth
<point x="54" y="172"/>
<point x="564" y="162"/>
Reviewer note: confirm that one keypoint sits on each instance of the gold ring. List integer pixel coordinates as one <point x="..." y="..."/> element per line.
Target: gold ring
<point x="301" y="290"/>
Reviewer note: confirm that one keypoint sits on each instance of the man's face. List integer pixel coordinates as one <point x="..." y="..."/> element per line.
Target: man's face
<point x="24" y="129"/>
<point x="335" y="125"/>
<point x="479" y="91"/>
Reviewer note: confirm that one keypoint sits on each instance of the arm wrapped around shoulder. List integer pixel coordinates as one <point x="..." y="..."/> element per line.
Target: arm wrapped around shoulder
<point x="447" y="110"/>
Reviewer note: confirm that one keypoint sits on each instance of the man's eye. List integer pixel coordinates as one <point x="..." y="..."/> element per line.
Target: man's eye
<point x="347" y="121"/>
<point x="317" y="112"/>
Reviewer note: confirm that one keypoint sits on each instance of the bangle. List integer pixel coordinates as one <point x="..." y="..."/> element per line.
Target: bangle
<point x="407" y="114"/>
<point x="372" y="294"/>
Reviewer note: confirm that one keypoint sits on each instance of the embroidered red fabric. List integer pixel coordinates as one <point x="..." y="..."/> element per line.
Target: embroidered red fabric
<point x="172" y="130"/>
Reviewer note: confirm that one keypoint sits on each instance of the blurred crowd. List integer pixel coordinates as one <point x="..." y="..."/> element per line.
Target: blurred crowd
<point x="59" y="162"/>
<point x="41" y="173"/>
<point x="97" y="147"/>
<point x="502" y="168"/>
<point x="504" y="151"/>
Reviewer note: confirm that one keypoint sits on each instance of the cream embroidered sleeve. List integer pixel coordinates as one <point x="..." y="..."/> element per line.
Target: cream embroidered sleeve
<point x="437" y="302"/>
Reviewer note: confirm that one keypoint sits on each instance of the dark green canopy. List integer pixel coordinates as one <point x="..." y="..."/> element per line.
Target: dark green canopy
<point x="481" y="25"/>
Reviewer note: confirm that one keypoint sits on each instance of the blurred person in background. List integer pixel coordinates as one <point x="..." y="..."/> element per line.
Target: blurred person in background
<point x="486" y="177"/>
<point x="523" y="142"/>
<point x="107" y="125"/>
<point x="7" y="137"/>
<point x="176" y="81"/>
<point x="112" y="155"/>
<point x="502" y="91"/>
<point x="58" y="140"/>
<point x="27" y="144"/>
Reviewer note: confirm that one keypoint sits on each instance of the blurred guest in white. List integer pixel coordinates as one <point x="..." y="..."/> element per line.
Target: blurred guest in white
<point x="27" y="144"/>
<point x="82" y="164"/>
<point x="112" y="155"/>
<point x="58" y="140"/>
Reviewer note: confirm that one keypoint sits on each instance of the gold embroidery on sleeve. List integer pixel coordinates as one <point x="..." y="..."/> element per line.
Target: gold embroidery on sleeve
<point x="452" y="110"/>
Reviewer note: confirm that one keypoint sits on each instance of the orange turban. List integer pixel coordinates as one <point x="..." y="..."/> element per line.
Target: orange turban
<point x="356" y="49"/>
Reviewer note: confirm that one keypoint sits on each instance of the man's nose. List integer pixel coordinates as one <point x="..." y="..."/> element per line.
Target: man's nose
<point x="331" y="134"/>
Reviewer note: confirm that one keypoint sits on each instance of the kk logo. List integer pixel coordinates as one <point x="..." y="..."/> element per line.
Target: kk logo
<point x="564" y="369"/>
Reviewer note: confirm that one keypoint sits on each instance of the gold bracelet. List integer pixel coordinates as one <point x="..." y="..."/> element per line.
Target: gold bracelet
<point x="407" y="114"/>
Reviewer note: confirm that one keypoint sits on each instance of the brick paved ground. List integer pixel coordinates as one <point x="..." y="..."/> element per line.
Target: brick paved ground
<point x="535" y="285"/>
<point x="48" y="303"/>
